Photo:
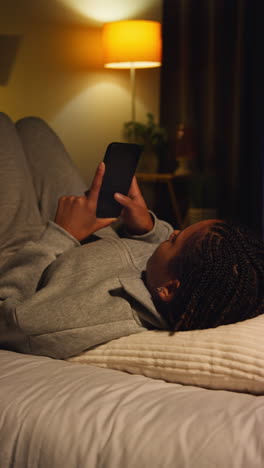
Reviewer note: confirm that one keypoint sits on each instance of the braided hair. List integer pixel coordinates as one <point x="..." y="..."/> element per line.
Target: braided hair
<point x="221" y="279"/>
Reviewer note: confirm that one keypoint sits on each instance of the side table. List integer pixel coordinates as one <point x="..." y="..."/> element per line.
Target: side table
<point x="168" y="179"/>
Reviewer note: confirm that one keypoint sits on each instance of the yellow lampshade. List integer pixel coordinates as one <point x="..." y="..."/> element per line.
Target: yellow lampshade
<point x="133" y="43"/>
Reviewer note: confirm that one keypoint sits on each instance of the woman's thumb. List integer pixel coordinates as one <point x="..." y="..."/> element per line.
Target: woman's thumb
<point x="122" y="199"/>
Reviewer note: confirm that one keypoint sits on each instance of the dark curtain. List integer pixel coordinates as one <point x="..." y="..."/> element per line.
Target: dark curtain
<point x="212" y="81"/>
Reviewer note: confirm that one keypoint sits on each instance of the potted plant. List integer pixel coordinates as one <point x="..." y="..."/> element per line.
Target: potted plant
<point x="153" y="139"/>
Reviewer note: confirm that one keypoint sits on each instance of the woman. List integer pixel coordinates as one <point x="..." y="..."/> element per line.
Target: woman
<point x="76" y="282"/>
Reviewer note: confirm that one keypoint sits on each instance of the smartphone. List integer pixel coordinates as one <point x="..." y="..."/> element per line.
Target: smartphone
<point x="121" y="161"/>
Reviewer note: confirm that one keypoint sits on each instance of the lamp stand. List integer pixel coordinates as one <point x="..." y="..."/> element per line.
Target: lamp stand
<point x="133" y="92"/>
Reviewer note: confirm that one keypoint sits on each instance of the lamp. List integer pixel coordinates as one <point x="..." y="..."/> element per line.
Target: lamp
<point x="132" y="44"/>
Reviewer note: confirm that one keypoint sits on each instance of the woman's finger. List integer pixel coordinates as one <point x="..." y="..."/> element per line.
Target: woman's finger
<point x="134" y="188"/>
<point x="97" y="182"/>
<point x="104" y="222"/>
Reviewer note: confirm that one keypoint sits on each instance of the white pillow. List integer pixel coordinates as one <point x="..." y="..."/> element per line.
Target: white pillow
<point x="230" y="357"/>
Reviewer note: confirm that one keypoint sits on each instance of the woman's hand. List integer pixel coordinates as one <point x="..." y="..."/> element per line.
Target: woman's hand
<point x="135" y="213"/>
<point x="77" y="215"/>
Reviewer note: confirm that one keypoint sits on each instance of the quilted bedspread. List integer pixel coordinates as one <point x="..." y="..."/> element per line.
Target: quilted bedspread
<point x="59" y="414"/>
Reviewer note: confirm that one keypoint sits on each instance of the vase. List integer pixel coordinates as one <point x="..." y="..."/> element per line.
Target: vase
<point x="183" y="166"/>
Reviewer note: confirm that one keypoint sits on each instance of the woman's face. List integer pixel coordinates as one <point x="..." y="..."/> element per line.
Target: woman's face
<point x="157" y="273"/>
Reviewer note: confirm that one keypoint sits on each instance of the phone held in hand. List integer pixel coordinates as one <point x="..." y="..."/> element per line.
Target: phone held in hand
<point x="121" y="161"/>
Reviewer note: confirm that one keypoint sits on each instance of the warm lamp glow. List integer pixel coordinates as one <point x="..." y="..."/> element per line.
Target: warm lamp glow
<point x="134" y="43"/>
<point x="104" y="11"/>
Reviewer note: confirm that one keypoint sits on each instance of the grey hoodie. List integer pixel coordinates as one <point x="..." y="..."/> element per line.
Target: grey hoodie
<point x="58" y="298"/>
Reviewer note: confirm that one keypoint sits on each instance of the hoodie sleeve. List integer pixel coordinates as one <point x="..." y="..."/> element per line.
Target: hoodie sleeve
<point x="22" y="272"/>
<point x="161" y="231"/>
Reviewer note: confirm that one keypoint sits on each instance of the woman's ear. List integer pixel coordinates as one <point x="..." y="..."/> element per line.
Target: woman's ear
<point x="167" y="292"/>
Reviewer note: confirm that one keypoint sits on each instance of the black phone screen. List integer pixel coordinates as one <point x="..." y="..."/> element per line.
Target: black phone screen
<point x="121" y="161"/>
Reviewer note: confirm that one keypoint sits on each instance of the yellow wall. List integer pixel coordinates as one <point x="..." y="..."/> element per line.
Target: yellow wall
<point x="58" y="74"/>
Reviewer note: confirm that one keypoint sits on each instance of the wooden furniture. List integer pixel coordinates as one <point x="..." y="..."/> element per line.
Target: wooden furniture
<point x="168" y="179"/>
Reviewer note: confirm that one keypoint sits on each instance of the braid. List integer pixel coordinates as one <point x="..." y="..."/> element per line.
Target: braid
<point x="221" y="279"/>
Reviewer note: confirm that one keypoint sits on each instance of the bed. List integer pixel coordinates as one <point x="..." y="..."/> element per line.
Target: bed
<point x="154" y="399"/>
